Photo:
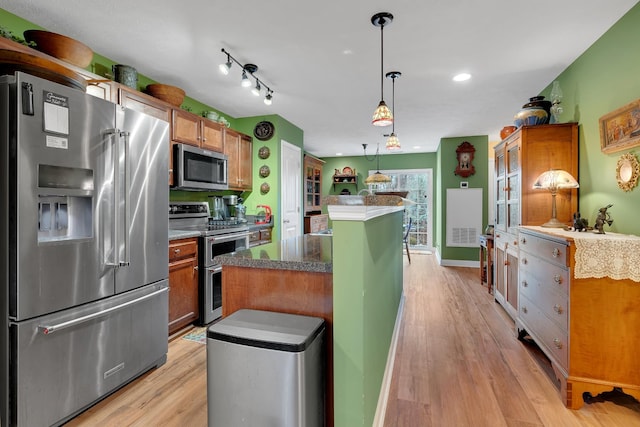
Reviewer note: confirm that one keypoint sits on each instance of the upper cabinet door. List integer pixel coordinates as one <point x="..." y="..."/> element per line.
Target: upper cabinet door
<point x="212" y="138"/>
<point x="186" y="127"/>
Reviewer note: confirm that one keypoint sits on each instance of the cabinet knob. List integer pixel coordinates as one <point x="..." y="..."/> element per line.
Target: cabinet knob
<point x="556" y="252"/>
<point x="557" y="279"/>
<point x="195" y="268"/>
<point x="524" y="261"/>
<point x="524" y="309"/>
<point x="176" y="251"/>
<point x="557" y="343"/>
<point x="524" y="284"/>
<point x="515" y="243"/>
<point x="523" y="240"/>
<point x="557" y="309"/>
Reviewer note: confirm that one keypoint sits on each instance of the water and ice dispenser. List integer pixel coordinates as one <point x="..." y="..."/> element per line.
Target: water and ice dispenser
<point x="62" y="215"/>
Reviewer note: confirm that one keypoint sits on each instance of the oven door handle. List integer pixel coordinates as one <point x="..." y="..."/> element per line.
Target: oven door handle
<point x="215" y="269"/>
<point x="230" y="237"/>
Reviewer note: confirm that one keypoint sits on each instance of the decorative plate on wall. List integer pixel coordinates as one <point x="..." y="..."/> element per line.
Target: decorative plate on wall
<point x="264" y="171"/>
<point x="264" y="152"/>
<point x="264" y="188"/>
<point x="264" y="130"/>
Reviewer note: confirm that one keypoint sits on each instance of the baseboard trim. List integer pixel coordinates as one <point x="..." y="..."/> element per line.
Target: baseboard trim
<point x="383" y="398"/>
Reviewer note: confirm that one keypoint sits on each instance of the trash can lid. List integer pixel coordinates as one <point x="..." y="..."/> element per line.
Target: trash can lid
<point x="267" y="329"/>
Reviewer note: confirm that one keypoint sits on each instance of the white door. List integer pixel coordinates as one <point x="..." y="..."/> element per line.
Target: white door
<point x="291" y="197"/>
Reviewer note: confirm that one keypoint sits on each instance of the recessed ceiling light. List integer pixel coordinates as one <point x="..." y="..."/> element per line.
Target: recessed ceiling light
<point x="416" y="147"/>
<point x="338" y="154"/>
<point x="461" y="77"/>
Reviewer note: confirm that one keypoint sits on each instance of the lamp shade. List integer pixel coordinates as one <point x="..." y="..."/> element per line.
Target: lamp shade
<point x="392" y="142"/>
<point x="377" y="178"/>
<point x="555" y="179"/>
<point x="382" y="116"/>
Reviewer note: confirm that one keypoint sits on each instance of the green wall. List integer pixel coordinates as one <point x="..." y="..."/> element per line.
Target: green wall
<point x="362" y="167"/>
<point x="601" y="80"/>
<point x="447" y="179"/>
<point x="367" y="287"/>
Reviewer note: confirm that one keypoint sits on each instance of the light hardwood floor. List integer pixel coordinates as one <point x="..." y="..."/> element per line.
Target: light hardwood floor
<point x="458" y="364"/>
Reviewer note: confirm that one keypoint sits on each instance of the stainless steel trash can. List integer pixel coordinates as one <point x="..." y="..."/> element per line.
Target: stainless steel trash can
<point x="265" y="369"/>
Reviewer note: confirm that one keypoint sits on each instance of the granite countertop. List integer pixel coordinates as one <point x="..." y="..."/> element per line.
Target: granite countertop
<point x="182" y="234"/>
<point x="302" y="253"/>
<point x="369" y="200"/>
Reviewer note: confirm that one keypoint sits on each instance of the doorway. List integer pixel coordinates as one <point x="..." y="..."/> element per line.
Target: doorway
<point x="419" y="184"/>
<point x="291" y="195"/>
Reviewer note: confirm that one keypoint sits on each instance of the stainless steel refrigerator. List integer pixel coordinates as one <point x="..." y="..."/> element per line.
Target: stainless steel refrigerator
<point x="83" y="249"/>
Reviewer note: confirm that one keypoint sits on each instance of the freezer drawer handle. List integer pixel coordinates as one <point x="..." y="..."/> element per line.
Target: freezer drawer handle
<point x="49" y="329"/>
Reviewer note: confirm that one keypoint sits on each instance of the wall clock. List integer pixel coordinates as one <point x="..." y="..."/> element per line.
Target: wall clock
<point x="264" y="130"/>
<point x="465" y="152"/>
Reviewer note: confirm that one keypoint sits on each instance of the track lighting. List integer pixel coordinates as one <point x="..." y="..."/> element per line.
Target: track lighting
<point x="248" y="73"/>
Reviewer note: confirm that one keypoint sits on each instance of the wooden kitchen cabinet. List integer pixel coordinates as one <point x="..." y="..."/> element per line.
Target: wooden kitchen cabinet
<point x="144" y="103"/>
<point x="584" y="321"/>
<point x="189" y="128"/>
<point x="239" y="149"/>
<point x="312" y="184"/>
<point x="519" y="160"/>
<point x="183" y="283"/>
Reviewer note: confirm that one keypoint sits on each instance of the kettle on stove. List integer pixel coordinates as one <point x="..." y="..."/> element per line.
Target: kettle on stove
<point x="263" y="217"/>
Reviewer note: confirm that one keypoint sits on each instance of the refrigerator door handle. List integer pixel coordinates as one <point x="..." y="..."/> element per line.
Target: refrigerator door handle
<point x="127" y="199"/>
<point x="113" y="261"/>
<point x="49" y="329"/>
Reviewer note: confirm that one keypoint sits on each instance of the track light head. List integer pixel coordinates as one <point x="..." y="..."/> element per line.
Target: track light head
<point x="267" y="99"/>
<point x="256" y="89"/>
<point x="245" y="82"/>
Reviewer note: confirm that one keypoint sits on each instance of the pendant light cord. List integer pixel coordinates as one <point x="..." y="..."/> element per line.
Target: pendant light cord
<point x="381" y="59"/>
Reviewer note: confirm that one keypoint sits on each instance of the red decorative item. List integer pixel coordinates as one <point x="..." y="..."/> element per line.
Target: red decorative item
<point x="267" y="215"/>
<point x="465" y="152"/>
<point x="506" y="131"/>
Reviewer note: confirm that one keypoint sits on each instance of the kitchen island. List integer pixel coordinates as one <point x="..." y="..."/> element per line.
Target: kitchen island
<point x="352" y="279"/>
<point x="289" y="276"/>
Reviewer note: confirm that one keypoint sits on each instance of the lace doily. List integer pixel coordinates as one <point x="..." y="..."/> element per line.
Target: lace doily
<point x="609" y="255"/>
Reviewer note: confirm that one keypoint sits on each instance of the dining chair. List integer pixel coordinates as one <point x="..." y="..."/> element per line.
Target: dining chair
<point x="405" y="238"/>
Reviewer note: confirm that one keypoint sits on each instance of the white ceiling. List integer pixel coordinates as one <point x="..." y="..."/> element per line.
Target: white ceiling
<point x="322" y="59"/>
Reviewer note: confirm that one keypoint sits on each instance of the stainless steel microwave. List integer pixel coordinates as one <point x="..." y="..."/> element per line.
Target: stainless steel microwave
<point x="198" y="169"/>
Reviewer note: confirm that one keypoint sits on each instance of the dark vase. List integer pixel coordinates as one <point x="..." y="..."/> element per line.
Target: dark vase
<point x="538" y="101"/>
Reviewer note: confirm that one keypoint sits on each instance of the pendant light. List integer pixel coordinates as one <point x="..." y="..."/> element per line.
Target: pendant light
<point x="382" y="116"/>
<point x="378" y="177"/>
<point x="392" y="142"/>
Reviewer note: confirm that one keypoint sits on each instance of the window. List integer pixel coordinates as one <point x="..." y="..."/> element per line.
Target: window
<point x="418" y="182"/>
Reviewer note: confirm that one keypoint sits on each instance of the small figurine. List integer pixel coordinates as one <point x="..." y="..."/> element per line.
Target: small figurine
<point x="579" y="223"/>
<point x="602" y="219"/>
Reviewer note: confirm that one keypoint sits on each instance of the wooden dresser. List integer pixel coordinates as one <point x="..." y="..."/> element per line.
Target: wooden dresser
<point x="589" y="327"/>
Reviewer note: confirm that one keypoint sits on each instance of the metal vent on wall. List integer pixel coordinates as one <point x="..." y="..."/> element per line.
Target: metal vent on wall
<point x="464" y="217"/>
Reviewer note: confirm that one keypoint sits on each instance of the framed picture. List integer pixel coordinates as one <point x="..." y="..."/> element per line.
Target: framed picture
<point x="620" y="129"/>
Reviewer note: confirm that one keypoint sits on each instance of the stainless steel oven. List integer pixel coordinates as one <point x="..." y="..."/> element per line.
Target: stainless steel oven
<point x="211" y="274"/>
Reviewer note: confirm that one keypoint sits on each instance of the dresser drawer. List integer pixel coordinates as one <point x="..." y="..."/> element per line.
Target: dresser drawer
<point x="551" y="339"/>
<point x="549" y="250"/>
<point x="552" y="303"/>
<point x="549" y="275"/>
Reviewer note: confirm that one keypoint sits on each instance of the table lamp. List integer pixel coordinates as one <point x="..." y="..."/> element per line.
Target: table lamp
<point x="554" y="180"/>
